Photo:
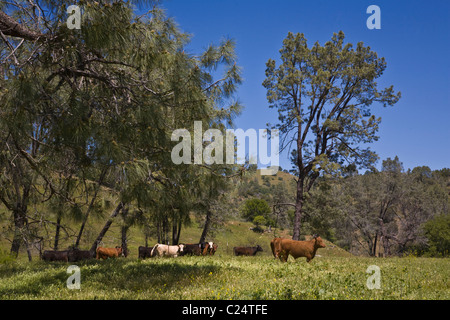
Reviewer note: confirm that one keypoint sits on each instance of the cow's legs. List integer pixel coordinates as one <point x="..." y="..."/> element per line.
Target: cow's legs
<point x="284" y="256"/>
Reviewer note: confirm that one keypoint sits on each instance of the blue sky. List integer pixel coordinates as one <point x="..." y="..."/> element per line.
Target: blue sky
<point x="414" y="39"/>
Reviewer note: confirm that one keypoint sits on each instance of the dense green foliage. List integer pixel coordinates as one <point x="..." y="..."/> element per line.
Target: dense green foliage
<point x="94" y="109"/>
<point x="437" y="230"/>
<point x="253" y="208"/>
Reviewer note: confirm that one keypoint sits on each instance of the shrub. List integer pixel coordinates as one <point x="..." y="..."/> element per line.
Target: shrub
<point x="6" y="257"/>
<point x="255" y="207"/>
<point x="437" y="231"/>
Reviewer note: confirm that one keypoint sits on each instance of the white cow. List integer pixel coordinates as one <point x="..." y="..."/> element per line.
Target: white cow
<point x="165" y="250"/>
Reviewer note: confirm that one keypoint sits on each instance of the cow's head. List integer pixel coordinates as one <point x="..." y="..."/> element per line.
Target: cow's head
<point x="319" y="243"/>
<point x="258" y="248"/>
<point x="119" y="250"/>
<point x="181" y="247"/>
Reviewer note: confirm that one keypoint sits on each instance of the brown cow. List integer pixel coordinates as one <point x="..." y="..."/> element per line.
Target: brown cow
<point x="275" y="246"/>
<point x="246" y="251"/>
<point x="209" y="248"/>
<point x="105" y="253"/>
<point x="298" y="249"/>
<point x="51" y="255"/>
<point x="213" y="249"/>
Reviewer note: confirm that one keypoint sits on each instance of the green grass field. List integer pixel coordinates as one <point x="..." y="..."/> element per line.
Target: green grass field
<point x="227" y="277"/>
<point x="332" y="274"/>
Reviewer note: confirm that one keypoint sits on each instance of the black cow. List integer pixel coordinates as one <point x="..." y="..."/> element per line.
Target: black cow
<point x="246" y="251"/>
<point x="192" y="249"/>
<point x="145" y="252"/>
<point x="78" y="255"/>
<point x="52" y="255"/>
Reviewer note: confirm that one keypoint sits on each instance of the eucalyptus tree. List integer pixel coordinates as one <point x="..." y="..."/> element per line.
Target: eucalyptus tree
<point x="323" y="95"/>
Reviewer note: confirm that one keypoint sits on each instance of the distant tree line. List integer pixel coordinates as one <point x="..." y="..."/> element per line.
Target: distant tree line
<point x="384" y="213"/>
<point x="389" y="212"/>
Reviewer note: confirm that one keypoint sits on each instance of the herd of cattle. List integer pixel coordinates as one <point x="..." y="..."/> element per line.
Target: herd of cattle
<point x="281" y="249"/>
<point x="158" y="250"/>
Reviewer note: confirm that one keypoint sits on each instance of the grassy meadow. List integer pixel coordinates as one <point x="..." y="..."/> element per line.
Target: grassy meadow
<point x="227" y="277"/>
<point x="332" y="274"/>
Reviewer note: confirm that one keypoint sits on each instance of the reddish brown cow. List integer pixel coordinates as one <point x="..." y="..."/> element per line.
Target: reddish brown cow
<point x="297" y="249"/>
<point x="209" y="248"/>
<point x="213" y="249"/>
<point x="105" y="253"/>
<point x="275" y="246"/>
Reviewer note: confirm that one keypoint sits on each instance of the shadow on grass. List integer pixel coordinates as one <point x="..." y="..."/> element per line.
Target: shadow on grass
<point x="134" y="274"/>
<point x="41" y="278"/>
<point x="31" y="279"/>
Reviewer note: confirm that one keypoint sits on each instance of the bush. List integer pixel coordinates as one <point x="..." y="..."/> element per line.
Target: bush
<point x="437" y="231"/>
<point x="258" y="221"/>
<point x="6" y="257"/>
<point x="255" y="207"/>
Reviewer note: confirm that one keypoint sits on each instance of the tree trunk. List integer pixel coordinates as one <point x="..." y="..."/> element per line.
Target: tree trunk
<point x="166" y="230"/>
<point x="106" y="227"/>
<point x="158" y="230"/>
<point x="179" y="230"/>
<point x="374" y="246"/>
<point x="174" y="229"/>
<point x="298" y="209"/>
<point x="124" y="230"/>
<point x="88" y="211"/>
<point x="27" y="245"/>
<point x="386" y="246"/>
<point x="177" y="221"/>
<point x="124" y="241"/>
<point x="301" y="178"/>
<point x="20" y="221"/>
<point x="206" y="226"/>
<point x="18" y="225"/>
<point x="58" y="227"/>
